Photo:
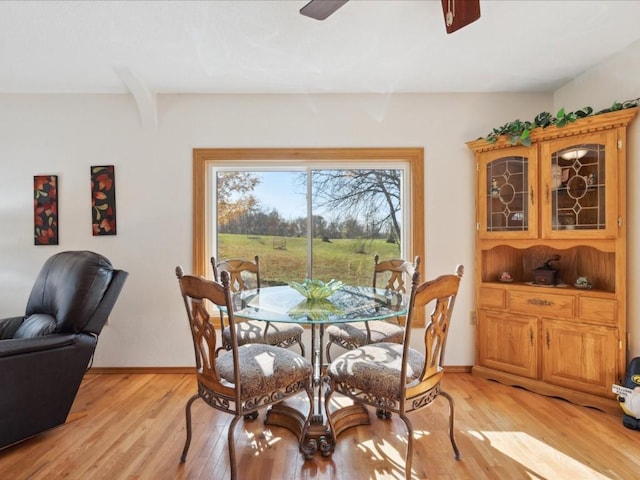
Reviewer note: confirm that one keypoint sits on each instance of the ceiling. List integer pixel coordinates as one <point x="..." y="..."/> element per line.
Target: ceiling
<point x="367" y="46"/>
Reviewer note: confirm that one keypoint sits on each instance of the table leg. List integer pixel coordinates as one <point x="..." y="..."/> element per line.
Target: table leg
<point x="318" y="437"/>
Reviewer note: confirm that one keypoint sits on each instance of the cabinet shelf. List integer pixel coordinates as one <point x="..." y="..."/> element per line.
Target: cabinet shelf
<point x="575" y="261"/>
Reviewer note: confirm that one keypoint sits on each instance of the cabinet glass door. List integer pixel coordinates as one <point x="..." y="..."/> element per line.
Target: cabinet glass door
<point x="506" y="206"/>
<point x="577" y="201"/>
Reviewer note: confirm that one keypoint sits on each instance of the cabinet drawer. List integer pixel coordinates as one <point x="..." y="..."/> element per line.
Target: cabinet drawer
<point x="542" y="303"/>
<point x="600" y="310"/>
<point x="491" y="297"/>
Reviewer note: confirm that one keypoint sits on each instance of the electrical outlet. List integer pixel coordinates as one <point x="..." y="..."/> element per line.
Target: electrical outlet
<point x="472" y="317"/>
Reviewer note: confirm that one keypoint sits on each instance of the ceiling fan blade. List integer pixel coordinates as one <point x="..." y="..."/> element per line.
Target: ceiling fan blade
<point x="460" y="13"/>
<point x="321" y="9"/>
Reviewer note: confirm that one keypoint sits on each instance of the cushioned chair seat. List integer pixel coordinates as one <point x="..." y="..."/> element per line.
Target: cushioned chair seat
<point x="263" y="368"/>
<point x="356" y="333"/>
<point x="376" y="368"/>
<point x="256" y="331"/>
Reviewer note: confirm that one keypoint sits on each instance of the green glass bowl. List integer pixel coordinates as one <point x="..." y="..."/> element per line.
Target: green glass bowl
<point x="316" y="289"/>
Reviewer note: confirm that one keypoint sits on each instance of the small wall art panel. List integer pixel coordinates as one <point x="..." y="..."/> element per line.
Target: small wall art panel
<point x="103" y="200"/>
<point x="45" y="210"/>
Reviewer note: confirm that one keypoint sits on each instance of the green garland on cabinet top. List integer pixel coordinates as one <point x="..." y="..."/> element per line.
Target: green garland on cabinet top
<point x="520" y="132"/>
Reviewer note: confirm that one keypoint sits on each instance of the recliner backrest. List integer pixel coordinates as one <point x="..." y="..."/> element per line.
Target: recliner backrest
<point x="70" y="287"/>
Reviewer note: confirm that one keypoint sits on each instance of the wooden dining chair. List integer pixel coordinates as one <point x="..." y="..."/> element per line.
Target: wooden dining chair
<point x="243" y="379"/>
<point x="396" y="377"/>
<point x="245" y="275"/>
<point x="390" y="275"/>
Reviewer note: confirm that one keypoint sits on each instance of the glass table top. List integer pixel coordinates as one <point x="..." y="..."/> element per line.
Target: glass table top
<point x="349" y="304"/>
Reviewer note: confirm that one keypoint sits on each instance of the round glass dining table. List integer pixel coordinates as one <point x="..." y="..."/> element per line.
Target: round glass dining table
<point x="348" y="304"/>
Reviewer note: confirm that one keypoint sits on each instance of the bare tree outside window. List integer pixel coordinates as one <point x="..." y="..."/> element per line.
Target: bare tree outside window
<point x="366" y="203"/>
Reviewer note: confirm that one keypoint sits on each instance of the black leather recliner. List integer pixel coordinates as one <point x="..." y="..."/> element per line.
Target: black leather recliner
<point x="45" y="353"/>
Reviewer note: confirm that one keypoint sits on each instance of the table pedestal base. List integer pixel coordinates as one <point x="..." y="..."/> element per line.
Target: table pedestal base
<point x="318" y="437"/>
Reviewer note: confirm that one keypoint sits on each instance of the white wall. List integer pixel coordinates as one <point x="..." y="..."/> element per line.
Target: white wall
<point x="617" y="79"/>
<point x="66" y="134"/>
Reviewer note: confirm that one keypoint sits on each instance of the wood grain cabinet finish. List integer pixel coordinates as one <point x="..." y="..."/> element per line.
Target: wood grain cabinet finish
<point x="541" y="303"/>
<point x="563" y="198"/>
<point x="508" y="342"/>
<point x="590" y="367"/>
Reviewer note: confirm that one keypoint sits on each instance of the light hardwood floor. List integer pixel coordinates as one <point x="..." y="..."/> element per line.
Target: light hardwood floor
<point x="131" y="426"/>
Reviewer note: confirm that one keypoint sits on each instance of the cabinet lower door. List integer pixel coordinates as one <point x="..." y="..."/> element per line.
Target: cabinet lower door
<point x="578" y="356"/>
<point x="508" y="342"/>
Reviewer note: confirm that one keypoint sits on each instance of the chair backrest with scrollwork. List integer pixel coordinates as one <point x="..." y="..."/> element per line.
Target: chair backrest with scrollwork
<point x="394" y="273"/>
<point x="439" y="296"/>
<point x="196" y="292"/>
<point x="243" y="274"/>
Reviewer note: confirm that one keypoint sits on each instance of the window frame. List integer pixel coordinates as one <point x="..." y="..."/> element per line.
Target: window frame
<point x="204" y="157"/>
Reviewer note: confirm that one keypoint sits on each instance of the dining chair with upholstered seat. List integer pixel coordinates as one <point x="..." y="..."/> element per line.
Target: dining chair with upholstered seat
<point x="396" y="377"/>
<point x="245" y="275"/>
<point x="393" y="274"/>
<point x="244" y="379"/>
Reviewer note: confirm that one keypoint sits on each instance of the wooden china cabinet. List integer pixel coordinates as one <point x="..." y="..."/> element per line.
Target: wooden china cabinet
<point x="562" y="197"/>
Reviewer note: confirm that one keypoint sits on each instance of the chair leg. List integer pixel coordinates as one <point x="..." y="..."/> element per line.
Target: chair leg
<point x="409" y="455"/>
<point x="327" y="351"/>
<point x="301" y="345"/>
<point x="232" y="447"/>
<point x="187" y="442"/>
<point x="451" y="419"/>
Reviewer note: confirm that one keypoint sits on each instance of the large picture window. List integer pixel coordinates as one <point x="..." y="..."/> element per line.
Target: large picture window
<point x="308" y="213"/>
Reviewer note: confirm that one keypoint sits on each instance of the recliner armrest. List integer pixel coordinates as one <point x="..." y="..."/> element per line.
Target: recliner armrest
<point x="8" y="326"/>
<point x="21" y="346"/>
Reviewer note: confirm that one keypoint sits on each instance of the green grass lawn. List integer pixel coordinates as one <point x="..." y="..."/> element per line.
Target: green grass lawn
<point x="284" y="259"/>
